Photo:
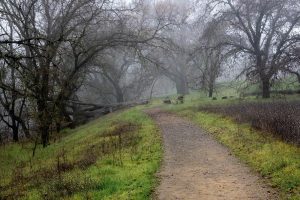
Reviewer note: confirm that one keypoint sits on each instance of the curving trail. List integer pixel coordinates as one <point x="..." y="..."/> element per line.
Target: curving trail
<point x="197" y="167"/>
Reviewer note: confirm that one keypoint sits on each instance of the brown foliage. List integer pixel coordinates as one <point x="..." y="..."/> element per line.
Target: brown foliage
<point x="280" y="118"/>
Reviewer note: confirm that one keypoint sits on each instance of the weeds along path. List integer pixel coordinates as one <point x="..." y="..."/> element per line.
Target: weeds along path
<point x="195" y="166"/>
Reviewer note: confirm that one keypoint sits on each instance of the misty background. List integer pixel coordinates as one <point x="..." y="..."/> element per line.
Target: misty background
<point x="64" y="62"/>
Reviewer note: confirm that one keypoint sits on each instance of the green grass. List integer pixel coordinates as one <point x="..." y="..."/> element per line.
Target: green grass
<point x="276" y="160"/>
<point x="83" y="164"/>
<point x="236" y="87"/>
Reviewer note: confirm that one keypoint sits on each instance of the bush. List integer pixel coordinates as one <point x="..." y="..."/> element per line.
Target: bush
<point x="280" y="118"/>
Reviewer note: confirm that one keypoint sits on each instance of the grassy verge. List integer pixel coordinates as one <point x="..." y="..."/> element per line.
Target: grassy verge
<point x="114" y="157"/>
<point x="274" y="159"/>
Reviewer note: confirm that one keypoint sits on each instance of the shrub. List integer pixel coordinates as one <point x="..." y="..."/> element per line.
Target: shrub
<point x="280" y="118"/>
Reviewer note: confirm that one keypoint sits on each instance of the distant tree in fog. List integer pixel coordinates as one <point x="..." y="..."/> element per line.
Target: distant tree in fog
<point x="207" y="58"/>
<point x="119" y="75"/>
<point x="265" y="31"/>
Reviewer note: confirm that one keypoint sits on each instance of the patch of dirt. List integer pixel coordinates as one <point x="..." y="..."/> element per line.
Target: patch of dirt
<point x="196" y="166"/>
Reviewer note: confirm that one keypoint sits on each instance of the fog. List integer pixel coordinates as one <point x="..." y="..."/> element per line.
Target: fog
<point x="58" y="56"/>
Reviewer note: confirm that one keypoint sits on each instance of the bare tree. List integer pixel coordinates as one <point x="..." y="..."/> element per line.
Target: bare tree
<point x="45" y="29"/>
<point x="12" y="102"/>
<point x="54" y="43"/>
<point x="265" y="31"/>
<point x="118" y="75"/>
<point x="114" y="68"/>
<point x="207" y="58"/>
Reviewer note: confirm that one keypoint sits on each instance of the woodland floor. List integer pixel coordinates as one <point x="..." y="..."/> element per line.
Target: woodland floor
<point x="195" y="166"/>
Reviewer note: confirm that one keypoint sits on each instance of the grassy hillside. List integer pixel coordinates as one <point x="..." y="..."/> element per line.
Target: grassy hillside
<point x="114" y="157"/>
<point x="277" y="161"/>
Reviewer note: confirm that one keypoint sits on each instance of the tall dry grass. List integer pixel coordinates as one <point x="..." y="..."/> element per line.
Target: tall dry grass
<point x="280" y="118"/>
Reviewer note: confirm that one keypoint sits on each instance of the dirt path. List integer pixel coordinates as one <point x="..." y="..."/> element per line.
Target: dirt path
<point x="197" y="167"/>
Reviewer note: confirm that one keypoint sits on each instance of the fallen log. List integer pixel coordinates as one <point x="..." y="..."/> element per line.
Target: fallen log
<point x="82" y="112"/>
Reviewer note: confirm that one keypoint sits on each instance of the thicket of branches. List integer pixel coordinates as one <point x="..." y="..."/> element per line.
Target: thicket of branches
<point x="57" y="56"/>
<point x="48" y="49"/>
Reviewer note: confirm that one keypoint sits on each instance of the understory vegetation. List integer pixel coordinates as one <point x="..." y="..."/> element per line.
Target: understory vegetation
<point x="280" y="118"/>
<point x="114" y="157"/>
<point x="247" y="128"/>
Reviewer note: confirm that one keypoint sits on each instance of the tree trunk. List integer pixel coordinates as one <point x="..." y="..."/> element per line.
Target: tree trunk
<point x="58" y="127"/>
<point x="152" y="88"/>
<point x="15" y="132"/>
<point x="298" y="77"/>
<point x="60" y="115"/>
<point x="14" y="126"/>
<point x="45" y="135"/>
<point x="43" y="121"/>
<point x="266" y="88"/>
<point x="119" y="94"/>
<point x="211" y="86"/>
<point x="44" y="117"/>
<point x="210" y="92"/>
<point x="181" y="86"/>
